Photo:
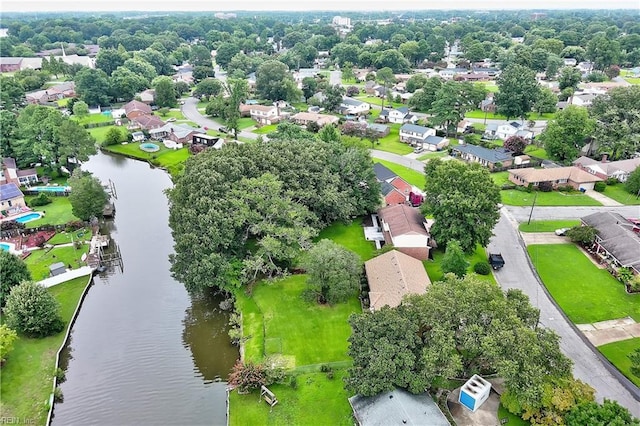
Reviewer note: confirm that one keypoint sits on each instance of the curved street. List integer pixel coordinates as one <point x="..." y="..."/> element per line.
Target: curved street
<point x="190" y="111"/>
<point x="519" y="274"/>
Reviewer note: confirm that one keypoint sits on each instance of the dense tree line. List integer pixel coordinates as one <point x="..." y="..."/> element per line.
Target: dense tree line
<point x="246" y="211"/>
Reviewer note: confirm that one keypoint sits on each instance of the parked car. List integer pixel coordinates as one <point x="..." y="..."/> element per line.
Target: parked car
<point x="223" y="129"/>
<point x="496" y="260"/>
<point x="418" y="149"/>
<point x="561" y="232"/>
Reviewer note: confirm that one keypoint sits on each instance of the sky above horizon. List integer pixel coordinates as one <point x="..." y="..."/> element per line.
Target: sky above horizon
<point x="338" y="5"/>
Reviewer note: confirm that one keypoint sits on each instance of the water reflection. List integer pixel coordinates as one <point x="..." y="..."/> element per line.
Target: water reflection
<point x="205" y="334"/>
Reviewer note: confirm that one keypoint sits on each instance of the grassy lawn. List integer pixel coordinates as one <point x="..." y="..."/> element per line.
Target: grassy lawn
<point x="93" y="119"/>
<point x="391" y="142"/>
<point x="585" y="293"/>
<point x="410" y="175"/>
<point x="350" y="236"/>
<point x="288" y="321"/>
<point x="513" y="420"/>
<point x="436" y="274"/>
<point x="500" y="178"/>
<point x="100" y="133"/>
<point x="245" y="123"/>
<point x="435" y="154"/>
<point x="266" y="129"/>
<point x="27" y="376"/>
<point x="171" y="159"/>
<point x="536" y="151"/>
<point x="40" y="260"/>
<point x="57" y="213"/>
<point x="478" y="113"/>
<point x="202" y="104"/>
<point x="491" y="86"/>
<point x="315" y="401"/>
<point x="373" y="100"/>
<point x="619" y="193"/>
<point x="66" y="237"/>
<point x="618" y="352"/>
<point x="62" y="103"/>
<point x="547" y="225"/>
<point x="173" y="113"/>
<point x="514" y="197"/>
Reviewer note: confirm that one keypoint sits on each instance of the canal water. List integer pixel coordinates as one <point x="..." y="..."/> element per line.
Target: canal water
<point x="142" y="350"/>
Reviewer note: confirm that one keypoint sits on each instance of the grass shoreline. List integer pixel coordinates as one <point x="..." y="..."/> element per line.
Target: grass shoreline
<point x="28" y="374"/>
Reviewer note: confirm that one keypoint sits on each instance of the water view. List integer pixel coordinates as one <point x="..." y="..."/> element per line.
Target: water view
<point x="143" y="351"/>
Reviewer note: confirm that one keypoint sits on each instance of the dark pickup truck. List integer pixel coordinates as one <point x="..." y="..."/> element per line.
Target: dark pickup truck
<point x="496" y="260"/>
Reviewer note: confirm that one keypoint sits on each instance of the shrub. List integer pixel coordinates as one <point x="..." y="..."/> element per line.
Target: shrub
<point x="508" y="186"/>
<point x="482" y="268"/>
<point x="40" y="200"/>
<point x="325" y="368"/>
<point x="7" y="337"/>
<point x="13" y="271"/>
<point x="584" y="235"/>
<point x="545" y="187"/>
<point x="612" y="181"/>
<point x="33" y="311"/>
<point x="247" y="376"/>
<point x="600" y="186"/>
<point x="566" y="188"/>
<point x="57" y="395"/>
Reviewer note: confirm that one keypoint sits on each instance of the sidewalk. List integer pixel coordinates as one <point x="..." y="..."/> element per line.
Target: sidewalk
<point x="603" y="332"/>
<point x="606" y="201"/>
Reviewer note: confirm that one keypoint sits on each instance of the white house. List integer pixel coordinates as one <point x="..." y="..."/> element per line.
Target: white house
<point x="265" y="114"/>
<point x="435" y="143"/>
<point x="351" y="106"/>
<point x="583" y="100"/>
<point x="414" y="134"/>
<point x="514" y="128"/>
<point x="398" y="115"/>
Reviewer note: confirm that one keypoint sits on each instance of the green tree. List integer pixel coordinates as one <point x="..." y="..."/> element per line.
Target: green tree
<point x="518" y="91"/>
<point x="567" y="133"/>
<point x="334" y="272"/>
<point x="74" y="143"/>
<point x="516" y="144"/>
<point x="617" y="116"/>
<point x="126" y="83"/>
<point x="108" y="60"/>
<point x="609" y="413"/>
<point x="309" y="86"/>
<point x="208" y="87"/>
<point x="329" y="133"/>
<point x="80" y="109"/>
<point x="37" y="127"/>
<point x="274" y="82"/>
<point x="463" y="201"/>
<point x="546" y="102"/>
<point x="632" y="185"/>
<point x="569" y="77"/>
<point x="157" y="59"/>
<point x="93" y="86"/>
<point x="7" y="337"/>
<point x="113" y="137"/>
<point x="165" y="92"/>
<point x="13" y="271"/>
<point x="11" y="92"/>
<point x="31" y="310"/>
<point x="603" y="51"/>
<point x="333" y="97"/>
<point x="415" y="82"/>
<point x="451" y="103"/>
<point x="453" y="260"/>
<point x="141" y="68"/>
<point x="238" y="90"/>
<point x="584" y="235"/>
<point x="422" y="99"/>
<point x="87" y="196"/>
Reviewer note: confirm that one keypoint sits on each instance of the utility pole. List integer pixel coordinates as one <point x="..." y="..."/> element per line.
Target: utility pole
<point x="532" y="206"/>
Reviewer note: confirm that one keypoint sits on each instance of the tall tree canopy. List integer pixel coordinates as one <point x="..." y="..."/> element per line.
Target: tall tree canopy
<point x="463" y="201"/>
<point x="518" y="91"/>
<point x="617" y="116"/>
<point x="274" y="82"/>
<point x="567" y="133"/>
<point x="87" y="196"/>
<point x="13" y="271"/>
<point x="241" y="212"/>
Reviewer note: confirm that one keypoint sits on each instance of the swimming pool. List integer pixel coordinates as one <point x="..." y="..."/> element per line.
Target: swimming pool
<point x="5" y="247"/>
<point x="29" y="217"/>
<point x="149" y="147"/>
<point x="50" y="188"/>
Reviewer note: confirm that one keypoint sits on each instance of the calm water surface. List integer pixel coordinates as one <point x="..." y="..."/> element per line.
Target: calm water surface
<point x="142" y="351"/>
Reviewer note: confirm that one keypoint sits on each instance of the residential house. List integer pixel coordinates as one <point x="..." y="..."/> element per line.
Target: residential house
<point x="490" y="71"/>
<point x="67" y="89"/>
<point x="369" y="87"/>
<point x="451" y="73"/>
<point x="351" y="106"/>
<point x="473" y="77"/>
<point x="491" y="158"/>
<point x="383" y="173"/>
<point x="245" y="110"/>
<point x="604" y="169"/>
<point x="201" y="141"/>
<point x="570" y="62"/>
<point x="11" y="199"/>
<point x="178" y="133"/>
<point x="304" y="118"/>
<point x="505" y="131"/>
<point x="398" y="115"/>
<point x="303" y="73"/>
<point x="42" y="97"/>
<point x="10" y="64"/>
<point x="435" y="143"/>
<point x="585" y="67"/>
<point x="557" y="176"/>
<point x="138" y="136"/>
<point x="393" y="275"/>
<point x="379" y="130"/>
<point x="397" y="407"/>
<point x="148" y="96"/>
<point x="582" y="100"/>
<point x="136" y="108"/>
<point x="265" y="114"/>
<point x="10" y="173"/>
<point x="405" y="227"/>
<point x="617" y="239"/>
<point x="414" y="134"/>
<point x="463" y="126"/>
<point x="392" y="195"/>
<point x="488" y="105"/>
<point x="145" y="122"/>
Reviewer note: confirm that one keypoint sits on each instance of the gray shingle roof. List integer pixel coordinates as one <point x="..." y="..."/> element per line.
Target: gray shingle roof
<point x="617" y="237"/>
<point x="414" y="128"/>
<point x="491" y="155"/>
<point x="433" y="140"/>
<point x="350" y="101"/>
<point x="10" y="191"/>
<point x="383" y="173"/>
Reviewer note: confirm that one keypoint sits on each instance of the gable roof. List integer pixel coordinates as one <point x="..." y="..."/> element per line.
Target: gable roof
<point x="397" y="407"/>
<point x="386" y="188"/>
<point x="264" y="108"/>
<point x="433" y="140"/>
<point x="383" y="173"/>
<point x="403" y="110"/>
<point x="351" y="102"/>
<point x="402" y="220"/>
<point x="393" y="275"/>
<point x="9" y="191"/>
<point x="377" y="127"/>
<point x="414" y="128"/>
<point x="9" y="162"/>
<point x="136" y="105"/>
<point x="179" y="130"/>
<point x="148" y="121"/>
<point x="494" y="155"/>
<point x="617" y="237"/>
<point x="572" y="173"/>
<point x="610" y="167"/>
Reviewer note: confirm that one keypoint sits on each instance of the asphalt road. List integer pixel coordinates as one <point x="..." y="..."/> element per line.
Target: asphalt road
<point x="521" y="214"/>
<point x="190" y="110"/>
<point x="517" y="273"/>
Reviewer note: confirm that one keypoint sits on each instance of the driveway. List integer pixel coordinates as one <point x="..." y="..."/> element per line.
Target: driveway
<point x="517" y="273"/>
<point x="412" y="163"/>
<point x="190" y="110"/>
